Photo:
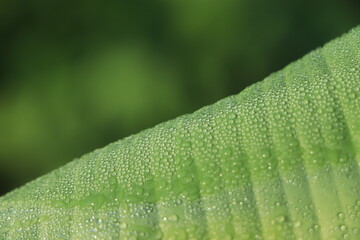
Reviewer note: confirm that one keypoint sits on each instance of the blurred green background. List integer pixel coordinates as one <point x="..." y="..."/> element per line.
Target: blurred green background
<point x="77" y="75"/>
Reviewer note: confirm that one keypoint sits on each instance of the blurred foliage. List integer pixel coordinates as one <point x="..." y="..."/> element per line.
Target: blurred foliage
<point x="76" y="75"/>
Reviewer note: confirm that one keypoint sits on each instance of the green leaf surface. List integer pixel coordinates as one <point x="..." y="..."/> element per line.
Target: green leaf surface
<point x="280" y="160"/>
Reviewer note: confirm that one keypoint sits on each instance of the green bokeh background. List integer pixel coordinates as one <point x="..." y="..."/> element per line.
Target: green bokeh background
<point x="77" y="75"/>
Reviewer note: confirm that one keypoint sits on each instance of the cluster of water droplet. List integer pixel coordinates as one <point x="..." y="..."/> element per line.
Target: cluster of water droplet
<point x="278" y="161"/>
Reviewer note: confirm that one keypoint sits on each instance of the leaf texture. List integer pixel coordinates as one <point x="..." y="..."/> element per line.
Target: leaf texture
<point x="280" y="160"/>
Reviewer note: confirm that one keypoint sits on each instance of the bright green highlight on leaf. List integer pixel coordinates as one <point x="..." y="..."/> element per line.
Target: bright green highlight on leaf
<point x="280" y="160"/>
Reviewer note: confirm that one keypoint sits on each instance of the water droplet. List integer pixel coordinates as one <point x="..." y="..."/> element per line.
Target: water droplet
<point x="123" y="225"/>
<point x="319" y="161"/>
<point x="226" y="152"/>
<point x="265" y="153"/>
<point x="231" y="116"/>
<point x="297" y="224"/>
<point x="173" y="218"/>
<point x="280" y="219"/>
<point x="343" y="228"/>
<point x="316" y="227"/>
